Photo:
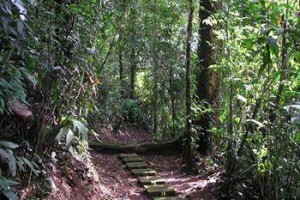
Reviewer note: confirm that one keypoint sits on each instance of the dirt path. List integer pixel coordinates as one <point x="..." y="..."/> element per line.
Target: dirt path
<point x="192" y="187"/>
<point x="115" y="181"/>
<point x="104" y="177"/>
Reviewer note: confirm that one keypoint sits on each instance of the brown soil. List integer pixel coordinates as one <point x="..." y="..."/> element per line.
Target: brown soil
<point x="104" y="177"/>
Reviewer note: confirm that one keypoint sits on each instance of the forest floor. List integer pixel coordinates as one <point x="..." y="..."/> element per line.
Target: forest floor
<point x="106" y="178"/>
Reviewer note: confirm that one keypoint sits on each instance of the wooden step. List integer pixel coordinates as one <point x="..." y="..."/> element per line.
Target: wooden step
<point x="137" y="165"/>
<point x="132" y="159"/>
<point x="128" y="155"/>
<point x="160" y="190"/>
<point x="143" y="172"/>
<point x="169" y="198"/>
<point x="151" y="180"/>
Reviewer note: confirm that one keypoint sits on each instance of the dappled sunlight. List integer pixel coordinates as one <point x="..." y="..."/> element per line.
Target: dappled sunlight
<point x="115" y="181"/>
<point x="192" y="187"/>
<point x="126" y="134"/>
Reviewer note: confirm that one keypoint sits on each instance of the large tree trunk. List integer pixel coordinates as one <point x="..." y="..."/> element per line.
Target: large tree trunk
<point x="207" y="79"/>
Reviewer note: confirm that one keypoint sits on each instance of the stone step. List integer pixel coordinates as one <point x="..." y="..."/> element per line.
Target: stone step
<point x="137" y="165"/>
<point x="143" y="172"/>
<point x="169" y="198"/>
<point x="151" y="180"/>
<point x="160" y="190"/>
<point x="128" y="155"/>
<point x="132" y="159"/>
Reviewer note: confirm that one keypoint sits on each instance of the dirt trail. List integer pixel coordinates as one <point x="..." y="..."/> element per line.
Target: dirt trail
<point x="110" y="180"/>
<point x="117" y="183"/>
<point x="115" y="180"/>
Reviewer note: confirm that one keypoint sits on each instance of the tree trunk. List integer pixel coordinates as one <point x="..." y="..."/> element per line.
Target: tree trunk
<point x="188" y="146"/>
<point x="155" y="75"/>
<point x="121" y="73"/>
<point x="132" y="73"/>
<point x="207" y="79"/>
<point x="171" y="76"/>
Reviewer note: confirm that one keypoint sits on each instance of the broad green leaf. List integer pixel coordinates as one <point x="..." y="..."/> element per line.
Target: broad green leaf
<point x="297" y="138"/>
<point x="6" y="7"/>
<point x="5" y="183"/>
<point x="210" y="21"/>
<point x="241" y="98"/>
<point x="20" y="164"/>
<point x="273" y="45"/>
<point x="12" y="163"/>
<point x="20" y="27"/>
<point x="10" y="195"/>
<point x="262" y="153"/>
<point x="69" y="137"/>
<point x="237" y="119"/>
<point x="20" y="6"/>
<point x="4" y="154"/>
<point x="8" y="144"/>
<point x="75" y="9"/>
<point x="255" y="122"/>
<point x="30" y="165"/>
<point x="29" y="76"/>
<point x="63" y="131"/>
<point x="81" y="128"/>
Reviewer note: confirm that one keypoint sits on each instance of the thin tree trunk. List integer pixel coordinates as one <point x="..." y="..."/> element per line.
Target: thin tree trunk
<point x="111" y="45"/>
<point x="283" y="67"/>
<point x="229" y="166"/>
<point x="155" y="75"/>
<point x="121" y="73"/>
<point x="132" y="73"/>
<point x="188" y="147"/>
<point x="171" y="76"/>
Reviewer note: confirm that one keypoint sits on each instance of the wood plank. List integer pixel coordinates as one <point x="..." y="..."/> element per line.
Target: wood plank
<point x="128" y="155"/>
<point x="132" y="159"/>
<point x="151" y="180"/>
<point x="169" y="198"/>
<point x="160" y="190"/>
<point x="143" y="172"/>
<point x="137" y="165"/>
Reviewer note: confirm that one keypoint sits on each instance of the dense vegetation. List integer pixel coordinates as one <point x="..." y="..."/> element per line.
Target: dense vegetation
<point x="223" y="74"/>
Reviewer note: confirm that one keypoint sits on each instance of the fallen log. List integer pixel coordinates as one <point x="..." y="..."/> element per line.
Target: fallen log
<point x="170" y="146"/>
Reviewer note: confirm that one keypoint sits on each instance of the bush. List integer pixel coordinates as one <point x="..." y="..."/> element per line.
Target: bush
<point x="131" y="111"/>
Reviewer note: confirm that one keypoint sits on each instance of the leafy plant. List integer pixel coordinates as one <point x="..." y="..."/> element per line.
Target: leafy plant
<point x="70" y="128"/>
<point x="130" y="108"/>
<point x="6" y="188"/>
<point x="16" y="165"/>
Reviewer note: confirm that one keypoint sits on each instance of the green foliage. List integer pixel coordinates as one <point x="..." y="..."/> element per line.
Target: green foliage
<point x="71" y="126"/>
<point x="13" y="74"/>
<point x="5" y="188"/>
<point x="258" y="67"/>
<point x="15" y="166"/>
<point x="131" y="108"/>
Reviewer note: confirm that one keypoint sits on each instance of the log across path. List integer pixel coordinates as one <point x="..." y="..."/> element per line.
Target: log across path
<point x="154" y="185"/>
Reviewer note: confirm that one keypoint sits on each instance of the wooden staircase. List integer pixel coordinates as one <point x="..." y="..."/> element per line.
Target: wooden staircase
<point x="154" y="185"/>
